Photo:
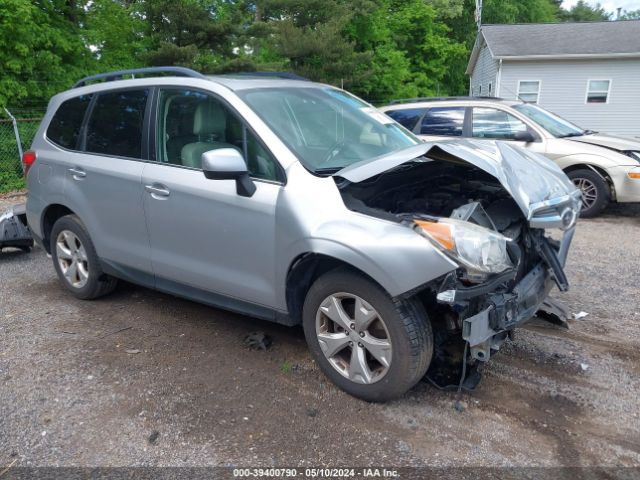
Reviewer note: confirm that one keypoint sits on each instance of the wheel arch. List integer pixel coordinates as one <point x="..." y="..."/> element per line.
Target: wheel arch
<point x="597" y="169"/>
<point x="50" y="215"/>
<point x="305" y="269"/>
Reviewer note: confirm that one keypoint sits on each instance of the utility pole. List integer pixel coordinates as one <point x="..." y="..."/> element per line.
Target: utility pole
<point x="479" y="14"/>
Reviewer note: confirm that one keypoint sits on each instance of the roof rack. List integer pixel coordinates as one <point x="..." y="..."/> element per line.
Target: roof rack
<point x="119" y="75"/>
<point x="284" y="75"/>
<point x="438" y="99"/>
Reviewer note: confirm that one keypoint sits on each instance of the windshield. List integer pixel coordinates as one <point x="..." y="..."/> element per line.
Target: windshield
<point x="326" y="128"/>
<point x="555" y="125"/>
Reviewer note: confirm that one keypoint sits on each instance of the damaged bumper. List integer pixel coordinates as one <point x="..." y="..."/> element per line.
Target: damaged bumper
<point x="14" y="231"/>
<point x="503" y="310"/>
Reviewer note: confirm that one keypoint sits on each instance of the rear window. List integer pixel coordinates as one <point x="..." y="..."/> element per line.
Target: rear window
<point x="407" y="118"/>
<point x="64" y="129"/>
<point x="444" y="121"/>
<point x="115" y="126"/>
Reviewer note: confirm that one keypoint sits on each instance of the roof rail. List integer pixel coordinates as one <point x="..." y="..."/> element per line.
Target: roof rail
<point x="118" y="75"/>
<point x="284" y="75"/>
<point x="438" y="99"/>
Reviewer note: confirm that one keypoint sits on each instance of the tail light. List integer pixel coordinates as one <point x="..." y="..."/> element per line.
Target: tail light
<point x="28" y="159"/>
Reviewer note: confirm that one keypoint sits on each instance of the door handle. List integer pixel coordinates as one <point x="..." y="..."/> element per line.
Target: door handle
<point x="77" y="173"/>
<point x="157" y="190"/>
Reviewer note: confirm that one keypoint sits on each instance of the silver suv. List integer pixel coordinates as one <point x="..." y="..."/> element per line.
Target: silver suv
<point x="605" y="168"/>
<point x="298" y="203"/>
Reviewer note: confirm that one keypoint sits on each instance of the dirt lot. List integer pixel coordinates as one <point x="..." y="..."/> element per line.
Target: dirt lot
<point x="194" y="395"/>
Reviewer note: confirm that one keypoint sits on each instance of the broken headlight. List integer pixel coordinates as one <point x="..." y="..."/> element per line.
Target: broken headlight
<point x="477" y="248"/>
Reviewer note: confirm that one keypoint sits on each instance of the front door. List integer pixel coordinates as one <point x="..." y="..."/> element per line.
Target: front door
<point x="495" y="124"/>
<point x="202" y="233"/>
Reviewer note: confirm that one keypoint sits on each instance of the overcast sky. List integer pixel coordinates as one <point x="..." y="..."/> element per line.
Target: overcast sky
<point x="609" y="5"/>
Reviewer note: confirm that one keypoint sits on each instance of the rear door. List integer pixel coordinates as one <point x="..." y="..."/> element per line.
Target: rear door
<point x="103" y="179"/>
<point x="204" y="236"/>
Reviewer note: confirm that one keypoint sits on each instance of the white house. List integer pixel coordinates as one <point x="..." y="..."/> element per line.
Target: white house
<point x="588" y="72"/>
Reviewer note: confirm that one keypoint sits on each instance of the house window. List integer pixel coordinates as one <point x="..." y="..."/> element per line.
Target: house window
<point x="598" y="91"/>
<point x="529" y="90"/>
<point x="490" y="88"/>
<point x="480" y="91"/>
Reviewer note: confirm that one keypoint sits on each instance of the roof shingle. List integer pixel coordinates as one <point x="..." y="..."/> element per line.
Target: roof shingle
<point x="541" y="39"/>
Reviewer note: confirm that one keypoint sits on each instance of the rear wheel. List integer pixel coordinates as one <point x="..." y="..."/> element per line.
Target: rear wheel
<point x="594" y="189"/>
<point x="371" y="346"/>
<point x="76" y="261"/>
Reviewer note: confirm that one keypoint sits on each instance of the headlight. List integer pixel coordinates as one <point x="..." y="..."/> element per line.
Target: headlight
<point x="477" y="248"/>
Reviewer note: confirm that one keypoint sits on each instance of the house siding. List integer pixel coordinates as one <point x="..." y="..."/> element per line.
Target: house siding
<point x="484" y="72"/>
<point x="564" y="86"/>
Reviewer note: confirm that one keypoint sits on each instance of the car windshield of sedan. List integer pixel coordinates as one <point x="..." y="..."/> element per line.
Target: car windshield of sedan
<point x="327" y="129"/>
<point x="555" y="125"/>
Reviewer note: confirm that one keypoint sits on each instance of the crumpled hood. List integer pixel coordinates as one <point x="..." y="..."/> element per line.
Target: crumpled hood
<point x="530" y="178"/>
<point x="609" y="141"/>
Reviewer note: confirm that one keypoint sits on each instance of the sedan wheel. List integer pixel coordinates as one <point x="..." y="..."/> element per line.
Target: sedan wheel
<point x="72" y="259"/>
<point x="589" y="192"/>
<point x="354" y="338"/>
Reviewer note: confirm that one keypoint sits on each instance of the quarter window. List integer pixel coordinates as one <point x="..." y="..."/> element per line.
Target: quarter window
<point x="598" y="91"/>
<point x="192" y="122"/>
<point x="445" y="121"/>
<point x="64" y="129"/>
<point x="529" y="90"/>
<point x="115" y="126"/>
<point x="498" y="124"/>
<point x="407" y="117"/>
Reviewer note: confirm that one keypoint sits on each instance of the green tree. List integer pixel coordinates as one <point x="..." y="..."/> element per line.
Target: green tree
<point x="583" y="12"/>
<point x="630" y="15"/>
<point x="41" y="49"/>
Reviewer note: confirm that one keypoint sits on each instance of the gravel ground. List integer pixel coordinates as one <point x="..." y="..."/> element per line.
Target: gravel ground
<point x="194" y="395"/>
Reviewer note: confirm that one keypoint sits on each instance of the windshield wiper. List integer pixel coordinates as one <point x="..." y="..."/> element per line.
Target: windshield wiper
<point x="327" y="170"/>
<point x="572" y="134"/>
<point x="589" y="132"/>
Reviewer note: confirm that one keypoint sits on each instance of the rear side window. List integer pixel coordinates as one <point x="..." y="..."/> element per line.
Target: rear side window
<point x="445" y="121"/>
<point x="115" y="126"/>
<point x="407" y="118"/>
<point x="64" y="129"/>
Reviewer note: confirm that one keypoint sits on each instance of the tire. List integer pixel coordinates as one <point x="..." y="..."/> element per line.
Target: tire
<point x="592" y="185"/>
<point x="403" y="325"/>
<point x="88" y="281"/>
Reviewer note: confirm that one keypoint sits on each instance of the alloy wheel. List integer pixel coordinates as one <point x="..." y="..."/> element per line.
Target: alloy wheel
<point x="72" y="259"/>
<point x="589" y="192"/>
<point x="354" y="338"/>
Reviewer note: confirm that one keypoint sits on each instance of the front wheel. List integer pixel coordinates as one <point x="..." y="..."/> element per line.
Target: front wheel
<point x="594" y="189"/>
<point x="371" y="346"/>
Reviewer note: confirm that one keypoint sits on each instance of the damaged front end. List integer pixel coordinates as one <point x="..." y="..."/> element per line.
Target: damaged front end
<point x="486" y="206"/>
<point x="14" y="231"/>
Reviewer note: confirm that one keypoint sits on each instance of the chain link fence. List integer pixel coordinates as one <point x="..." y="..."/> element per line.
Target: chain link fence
<point x="27" y="122"/>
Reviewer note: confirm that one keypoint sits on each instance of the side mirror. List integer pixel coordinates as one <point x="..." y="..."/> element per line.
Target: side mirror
<point x="524" y="136"/>
<point x="228" y="164"/>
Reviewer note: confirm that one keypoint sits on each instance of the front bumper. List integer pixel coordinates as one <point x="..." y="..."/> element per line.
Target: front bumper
<point x="627" y="186"/>
<point x="14" y="231"/>
<point x="505" y="310"/>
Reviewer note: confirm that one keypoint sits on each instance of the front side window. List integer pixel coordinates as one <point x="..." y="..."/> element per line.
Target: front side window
<point x="497" y="124"/>
<point x="529" y="90"/>
<point x="64" y="129"/>
<point x="407" y="117"/>
<point x="443" y="121"/>
<point x="115" y="126"/>
<point x="327" y="129"/>
<point x="598" y="91"/>
<point x="191" y="122"/>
